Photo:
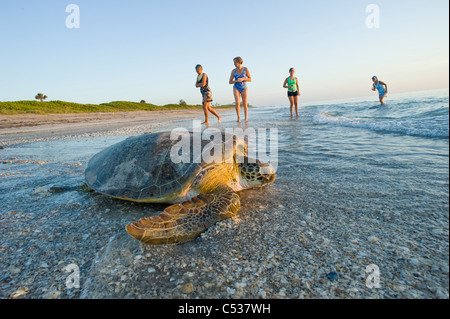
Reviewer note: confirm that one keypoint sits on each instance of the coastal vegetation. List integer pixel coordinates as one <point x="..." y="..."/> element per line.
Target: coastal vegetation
<point x="22" y="107"/>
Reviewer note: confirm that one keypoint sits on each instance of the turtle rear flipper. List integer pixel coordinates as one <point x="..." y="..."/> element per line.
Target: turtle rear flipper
<point x="62" y="189"/>
<point x="183" y="222"/>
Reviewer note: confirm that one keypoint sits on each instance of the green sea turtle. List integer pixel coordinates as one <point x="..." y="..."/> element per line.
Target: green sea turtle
<point x="142" y="169"/>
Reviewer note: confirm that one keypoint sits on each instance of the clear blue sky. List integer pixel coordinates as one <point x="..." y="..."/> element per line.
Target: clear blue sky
<point x="146" y="49"/>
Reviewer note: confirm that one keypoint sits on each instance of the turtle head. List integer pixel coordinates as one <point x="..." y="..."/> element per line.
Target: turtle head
<point x="254" y="173"/>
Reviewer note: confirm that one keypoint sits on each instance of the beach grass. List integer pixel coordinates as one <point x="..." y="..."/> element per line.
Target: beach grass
<point x="37" y="107"/>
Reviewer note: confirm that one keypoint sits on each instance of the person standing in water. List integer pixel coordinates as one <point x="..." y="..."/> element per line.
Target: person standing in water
<point x="239" y="78"/>
<point x="291" y="83"/>
<point x="203" y="84"/>
<point x="381" y="87"/>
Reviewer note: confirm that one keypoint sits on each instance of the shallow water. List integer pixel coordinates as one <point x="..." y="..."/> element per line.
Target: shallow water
<point x="347" y="170"/>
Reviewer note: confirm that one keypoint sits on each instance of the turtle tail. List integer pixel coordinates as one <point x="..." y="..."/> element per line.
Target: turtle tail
<point x="183" y="222"/>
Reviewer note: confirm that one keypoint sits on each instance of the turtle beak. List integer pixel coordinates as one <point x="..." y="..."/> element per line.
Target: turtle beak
<point x="272" y="177"/>
<point x="269" y="178"/>
<point x="268" y="174"/>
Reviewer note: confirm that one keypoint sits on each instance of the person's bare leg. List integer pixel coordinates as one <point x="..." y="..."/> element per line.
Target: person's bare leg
<point x="244" y="103"/>
<point x="205" y="110"/>
<point x="214" y="112"/>
<point x="237" y="100"/>
<point x="291" y="101"/>
<point x="296" y="104"/>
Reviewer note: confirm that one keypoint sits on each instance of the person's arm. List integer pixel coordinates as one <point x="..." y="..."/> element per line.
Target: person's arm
<point x="197" y="85"/>
<point x="385" y="85"/>
<point x="298" y="87"/>
<point x="285" y="84"/>
<point x="205" y="77"/>
<point x="249" y="77"/>
<point x="232" y="81"/>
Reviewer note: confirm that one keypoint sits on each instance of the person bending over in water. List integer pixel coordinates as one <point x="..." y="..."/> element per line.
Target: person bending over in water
<point x="381" y="87"/>
<point x="291" y="83"/>
<point x="202" y="83"/>
<point x="239" y="77"/>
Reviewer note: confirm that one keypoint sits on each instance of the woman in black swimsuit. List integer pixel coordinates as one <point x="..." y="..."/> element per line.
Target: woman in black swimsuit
<point x="202" y="83"/>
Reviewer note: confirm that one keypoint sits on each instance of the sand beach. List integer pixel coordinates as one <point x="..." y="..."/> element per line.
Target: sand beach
<point x="31" y="126"/>
<point x="348" y="200"/>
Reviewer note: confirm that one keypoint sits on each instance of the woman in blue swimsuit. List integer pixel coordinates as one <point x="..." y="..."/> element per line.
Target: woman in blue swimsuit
<point x="239" y="78"/>
<point x="381" y="87"/>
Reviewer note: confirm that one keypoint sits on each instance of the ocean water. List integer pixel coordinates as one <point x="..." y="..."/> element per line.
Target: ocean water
<point x="347" y="170"/>
<point x="404" y="143"/>
<point x="379" y="157"/>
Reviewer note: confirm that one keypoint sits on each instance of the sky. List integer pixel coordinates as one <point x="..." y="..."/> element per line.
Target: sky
<point x="145" y="49"/>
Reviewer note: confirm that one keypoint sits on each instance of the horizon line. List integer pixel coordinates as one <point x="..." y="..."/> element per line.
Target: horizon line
<point x="253" y="105"/>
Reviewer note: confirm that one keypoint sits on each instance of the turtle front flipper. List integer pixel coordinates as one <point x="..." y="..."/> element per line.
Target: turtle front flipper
<point x="183" y="222"/>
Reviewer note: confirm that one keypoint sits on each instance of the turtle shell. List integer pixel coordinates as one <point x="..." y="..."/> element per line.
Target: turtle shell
<point x="141" y="168"/>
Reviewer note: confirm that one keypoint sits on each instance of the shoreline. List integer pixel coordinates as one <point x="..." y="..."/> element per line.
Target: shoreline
<point x="334" y="210"/>
<point x="18" y="128"/>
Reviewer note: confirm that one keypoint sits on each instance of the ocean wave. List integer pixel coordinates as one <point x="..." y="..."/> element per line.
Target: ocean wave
<point x="435" y="126"/>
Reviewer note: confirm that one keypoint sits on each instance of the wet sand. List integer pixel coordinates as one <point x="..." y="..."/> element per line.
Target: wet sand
<point x="14" y="128"/>
<point x="309" y="235"/>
